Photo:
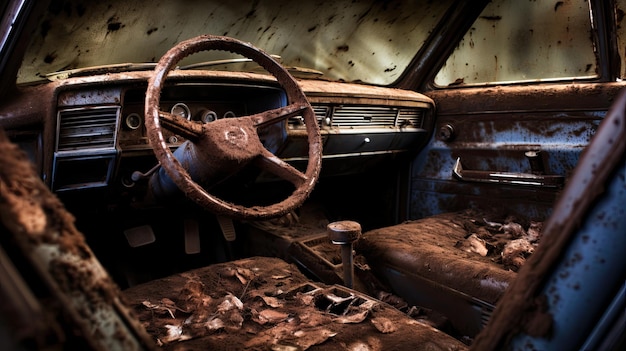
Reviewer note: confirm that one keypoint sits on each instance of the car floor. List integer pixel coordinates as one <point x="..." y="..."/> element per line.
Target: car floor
<point x="266" y="303"/>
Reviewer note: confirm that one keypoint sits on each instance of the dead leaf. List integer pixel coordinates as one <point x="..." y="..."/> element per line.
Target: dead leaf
<point x="230" y="302"/>
<point x="269" y="316"/>
<point x="174" y="333"/>
<point x="159" y="309"/>
<point x="269" y="300"/>
<point x="477" y="245"/>
<point x="284" y="348"/>
<point x="357" y="317"/>
<point x="272" y="301"/>
<point x="244" y="275"/>
<point x="384" y="325"/>
<point x="310" y="337"/>
<point x="353" y="318"/>
<point x="214" y="324"/>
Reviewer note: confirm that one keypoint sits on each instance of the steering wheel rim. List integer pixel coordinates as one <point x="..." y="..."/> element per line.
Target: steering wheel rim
<point x="298" y="104"/>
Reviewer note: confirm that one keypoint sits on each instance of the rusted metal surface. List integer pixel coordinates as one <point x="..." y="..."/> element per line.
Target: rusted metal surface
<point x="237" y="140"/>
<point x="524" y="308"/>
<point x="45" y="232"/>
<point x="492" y="130"/>
<point x="34" y="106"/>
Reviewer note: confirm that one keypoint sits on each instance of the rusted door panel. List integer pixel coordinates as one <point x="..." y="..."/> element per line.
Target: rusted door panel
<point x="492" y="130"/>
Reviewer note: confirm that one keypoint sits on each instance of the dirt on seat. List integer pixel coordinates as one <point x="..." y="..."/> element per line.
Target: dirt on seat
<point x="266" y="304"/>
<point x="469" y="251"/>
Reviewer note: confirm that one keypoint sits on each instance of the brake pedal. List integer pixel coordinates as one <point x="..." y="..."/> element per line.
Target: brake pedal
<point x="228" y="228"/>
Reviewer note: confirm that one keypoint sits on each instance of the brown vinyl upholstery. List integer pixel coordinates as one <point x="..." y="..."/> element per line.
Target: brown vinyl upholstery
<point x="428" y="263"/>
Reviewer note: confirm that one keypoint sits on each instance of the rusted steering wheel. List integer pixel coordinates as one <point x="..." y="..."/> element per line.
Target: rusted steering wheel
<point x="230" y="143"/>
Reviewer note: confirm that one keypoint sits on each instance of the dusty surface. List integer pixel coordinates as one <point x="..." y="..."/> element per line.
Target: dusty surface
<point x="237" y="144"/>
<point x="44" y="231"/>
<point x="265" y="303"/>
<point x="466" y="251"/>
<point x="523" y="308"/>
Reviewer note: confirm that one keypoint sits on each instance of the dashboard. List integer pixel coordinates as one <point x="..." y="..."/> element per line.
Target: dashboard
<point x="98" y="137"/>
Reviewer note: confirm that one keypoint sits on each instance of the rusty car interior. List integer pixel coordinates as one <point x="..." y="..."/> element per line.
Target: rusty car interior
<point x="313" y="175"/>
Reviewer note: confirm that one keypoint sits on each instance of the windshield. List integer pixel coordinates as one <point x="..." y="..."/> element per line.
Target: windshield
<point x="356" y="41"/>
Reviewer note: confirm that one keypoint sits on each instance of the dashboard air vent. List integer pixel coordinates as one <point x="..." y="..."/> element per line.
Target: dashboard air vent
<point x="87" y="128"/>
<point x="410" y="117"/>
<point x="321" y="112"/>
<point x="364" y="116"/>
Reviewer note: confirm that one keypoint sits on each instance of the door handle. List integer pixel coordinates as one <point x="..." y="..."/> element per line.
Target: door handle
<point x="528" y="179"/>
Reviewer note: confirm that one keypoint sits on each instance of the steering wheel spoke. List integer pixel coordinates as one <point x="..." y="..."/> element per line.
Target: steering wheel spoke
<point x="278" y="114"/>
<point x="187" y="129"/>
<point x="271" y="163"/>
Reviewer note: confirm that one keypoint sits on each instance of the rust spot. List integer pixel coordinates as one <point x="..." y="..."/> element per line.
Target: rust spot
<point x="113" y="26"/>
<point x="491" y="18"/>
<point x="50" y="57"/>
<point x="343" y="48"/>
<point x="152" y="30"/>
<point x="557" y="5"/>
<point x="312" y="28"/>
<point x="457" y="81"/>
<point x="391" y="69"/>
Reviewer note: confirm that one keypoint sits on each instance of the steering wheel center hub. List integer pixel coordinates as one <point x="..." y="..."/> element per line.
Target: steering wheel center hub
<point x="236" y="136"/>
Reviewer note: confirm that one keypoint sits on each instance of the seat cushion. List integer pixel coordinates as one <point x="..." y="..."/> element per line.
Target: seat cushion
<point x="265" y="303"/>
<point x="442" y="262"/>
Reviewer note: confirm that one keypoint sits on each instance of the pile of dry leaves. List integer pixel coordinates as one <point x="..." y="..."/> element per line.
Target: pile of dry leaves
<point x="508" y="242"/>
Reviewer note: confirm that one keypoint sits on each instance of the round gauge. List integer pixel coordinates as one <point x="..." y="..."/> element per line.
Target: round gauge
<point x="229" y="114"/>
<point x="208" y="116"/>
<point x="181" y="110"/>
<point x="133" y="121"/>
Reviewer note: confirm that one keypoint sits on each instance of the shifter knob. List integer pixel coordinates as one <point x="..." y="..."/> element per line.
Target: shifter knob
<point x="344" y="233"/>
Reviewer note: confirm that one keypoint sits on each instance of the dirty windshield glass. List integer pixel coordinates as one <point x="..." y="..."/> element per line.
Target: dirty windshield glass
<point x="366" y="41"/>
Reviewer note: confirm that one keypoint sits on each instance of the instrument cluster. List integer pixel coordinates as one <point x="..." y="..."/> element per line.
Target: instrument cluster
<point x="133" y="133"/>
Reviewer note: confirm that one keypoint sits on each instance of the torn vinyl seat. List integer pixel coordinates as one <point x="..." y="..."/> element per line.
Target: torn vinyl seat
<point x="444" y="263"/>
<point x="265" y="303"/>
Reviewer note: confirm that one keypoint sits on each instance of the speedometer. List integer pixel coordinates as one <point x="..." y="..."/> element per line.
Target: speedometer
<point x="181" y="110"/>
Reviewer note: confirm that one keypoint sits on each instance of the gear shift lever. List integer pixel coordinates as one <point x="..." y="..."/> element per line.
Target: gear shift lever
<point x="345" y="233"/>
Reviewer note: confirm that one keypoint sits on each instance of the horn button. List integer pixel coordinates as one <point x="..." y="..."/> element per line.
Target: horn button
<point x="232" y="139"/>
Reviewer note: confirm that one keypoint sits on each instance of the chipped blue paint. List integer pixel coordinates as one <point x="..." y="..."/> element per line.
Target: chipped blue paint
<point x="586" y="281"/>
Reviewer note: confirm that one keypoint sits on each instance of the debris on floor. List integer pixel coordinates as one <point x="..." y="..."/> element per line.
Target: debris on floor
<point x="265" y="303"/>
